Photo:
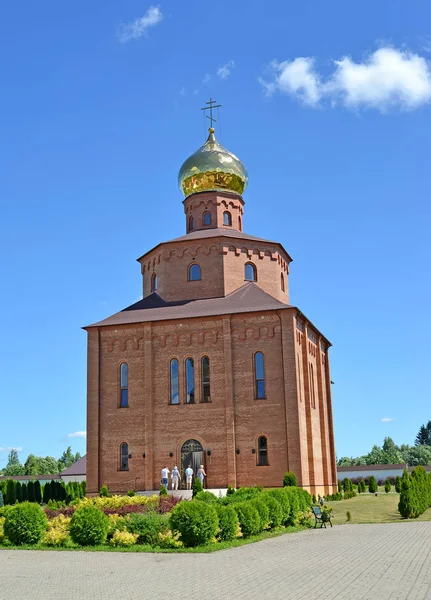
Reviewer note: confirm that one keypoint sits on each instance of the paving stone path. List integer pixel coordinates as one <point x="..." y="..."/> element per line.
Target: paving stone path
<point x="391" y="561"/>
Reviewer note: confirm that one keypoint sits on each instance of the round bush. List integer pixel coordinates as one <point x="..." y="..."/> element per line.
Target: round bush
<point x="89" y="526"/>
<point x="248" y="517"/>
<point x="274" y="508"/>
<point x="147" y="527"/>
<point x="207" y="497"/>
<point x="263" y="511"/>
<point x="196" y="522"/>
<point x="289" y="479"/>
<point x="228" y="523"/>
<point x="25" y="524"/>
<point x="283" y="499"/>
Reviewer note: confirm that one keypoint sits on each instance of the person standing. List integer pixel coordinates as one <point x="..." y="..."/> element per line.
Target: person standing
<point x="189" y="476"/>
<point x="165" y="475"/>
<point x="201" y="474"/>
<point x="175" y="476"/>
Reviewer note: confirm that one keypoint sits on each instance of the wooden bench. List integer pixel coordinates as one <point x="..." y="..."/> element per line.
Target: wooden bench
<point x="320" y="518"/>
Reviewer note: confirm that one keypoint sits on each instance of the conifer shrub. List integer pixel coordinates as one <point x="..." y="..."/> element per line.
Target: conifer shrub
<point x="274" y="510"/>
<point x="147" y="527"/>
<point x="289" y="479"/>
<point x="25" y="524"/>
<point x="10" y="491"/>
<point x="1" y="499"/>
<point x="387" y="486"/>
<point x="362" y="485"/>
<point x="207" y="497"/>
<point x="197" y="487"/>
<point x="283" y="500"/>
<point x="37" y="490"/>
<point x="196" y="522"/>
<point x="163" y="491"/>
<point x="131" y="493"/>
<point x="295" y="506"/>
<point x="340" y="485"/>
<point x="104" y="492"/>
<point x="228" y="523"/>
<point x="372" y="485"/>
<point x="89" y="526"/>
<point x="263" y="512"/>
<point x="30" y="491"/>
<point x="398" y="484"/>
<point x="248" y="517"/>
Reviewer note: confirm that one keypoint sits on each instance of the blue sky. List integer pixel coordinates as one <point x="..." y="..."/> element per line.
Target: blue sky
<point x="329" y="107"/>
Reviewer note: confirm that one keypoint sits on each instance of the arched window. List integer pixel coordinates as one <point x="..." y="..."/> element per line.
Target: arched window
<point x="262" y="451"/>
<point x="194" y="272"/>
<point x="124" y="385"/>
<point x="259" y="374"/>
<point x="190" y="381"/>
<point x="124" y="457"/>
<point x="282" y="283"/>
<point x="206" y="379"/>
<point x="154" y="282"/>
<point x="239" y="223"/>
<point x="227" y="218"/>
<point x="250" y="272"/>
<point x="191" y="224"/>
<point x="175" y="382"/>
<point x="311" y="386"/>
<point x="206" y="219"/>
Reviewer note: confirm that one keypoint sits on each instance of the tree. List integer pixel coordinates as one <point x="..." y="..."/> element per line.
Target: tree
<point x="423" y="437"/>
<point x="13" y="466"/>
<point x="372" y="485"/>
<point x="38" y="465"/>
<point x="10" y="491"/>
<point x="67" y="459"/>
<point x="387" y="486"/>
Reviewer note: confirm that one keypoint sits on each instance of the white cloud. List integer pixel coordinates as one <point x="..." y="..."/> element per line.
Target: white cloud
<point x="77" y="434"/>
<point x="140" y="26"/>
<point x="388" y="78"/>
<point x="9" y="448"/>
<point x="224" y="71"/>
<point x="387" y="420"/>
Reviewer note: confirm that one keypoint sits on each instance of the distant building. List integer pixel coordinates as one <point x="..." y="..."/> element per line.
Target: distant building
<point x="213" y="366"/>
<point x="379" y="471"/>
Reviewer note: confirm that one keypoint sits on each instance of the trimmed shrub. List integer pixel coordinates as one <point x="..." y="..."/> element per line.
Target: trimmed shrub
<point x="10" y="491"/>
<point x="334" y="497"/>
<point x="207" y="497"/>
<point x="196" y="522"/>
<point x="228" y="523"/>
<point x="89" y="526"/>
<point x="340" y="485"/>
<point x="263" y="512"/>
<point x="398" y="484"/>
<point x="415" y="495"/>
<point x="197" y="487"/>
<point x="230" y="490"/>
<point x="25" y="524"/>
<point x="147" y="527"/>
<point x="104" y="492"/>
<point x="1" y="499"/>
<point x="372" y="485"/>
<point x="274" y="510"/>
<point x="349" y="495"/>
<point x="131" y="493"/>
<point x="387" y="486"/>
<point x="249" y="519"/>
<point x="283" y="499"/>
<point x="37" y="490"/>
<point x="289" y="479"/>
<point x="293" y="495"/>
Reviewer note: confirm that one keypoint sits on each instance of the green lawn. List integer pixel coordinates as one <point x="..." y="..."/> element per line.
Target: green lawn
<point x="367" y="508"/>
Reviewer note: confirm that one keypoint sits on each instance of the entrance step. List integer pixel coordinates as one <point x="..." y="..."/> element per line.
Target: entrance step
<point x="185" y="494"/>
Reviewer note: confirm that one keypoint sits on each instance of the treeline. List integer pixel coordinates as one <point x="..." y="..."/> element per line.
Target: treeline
<point x="39" y="465"/>
<point x="13" y="491"/>
<point x="391" y="454"/>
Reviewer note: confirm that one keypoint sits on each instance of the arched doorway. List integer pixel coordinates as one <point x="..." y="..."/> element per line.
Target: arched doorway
<point x="192" y="454"/>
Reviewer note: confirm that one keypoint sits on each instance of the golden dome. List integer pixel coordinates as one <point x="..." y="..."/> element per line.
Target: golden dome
<point x="211" y="168"/>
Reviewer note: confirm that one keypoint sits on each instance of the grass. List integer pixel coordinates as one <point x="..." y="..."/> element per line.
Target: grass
<point x="368" y="508"/>
<point x="146" y="548"/>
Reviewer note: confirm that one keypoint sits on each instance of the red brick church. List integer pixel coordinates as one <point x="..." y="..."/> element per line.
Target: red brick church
<point x="213" y="366"/>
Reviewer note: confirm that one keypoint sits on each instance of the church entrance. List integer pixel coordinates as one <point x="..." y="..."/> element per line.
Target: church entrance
<point x="192" y="454"/>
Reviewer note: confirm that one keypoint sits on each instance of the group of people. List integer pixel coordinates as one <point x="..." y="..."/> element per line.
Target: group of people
<point x="176" y="476"/>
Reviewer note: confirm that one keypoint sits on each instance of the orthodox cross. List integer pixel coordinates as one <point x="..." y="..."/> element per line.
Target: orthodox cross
<point x="210" y="108"/>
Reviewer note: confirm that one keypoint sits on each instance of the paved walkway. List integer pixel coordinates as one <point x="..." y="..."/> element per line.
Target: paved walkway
<point x="349" y="561"/>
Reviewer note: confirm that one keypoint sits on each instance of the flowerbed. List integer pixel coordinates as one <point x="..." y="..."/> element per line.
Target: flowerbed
<point x="157" y="522"/>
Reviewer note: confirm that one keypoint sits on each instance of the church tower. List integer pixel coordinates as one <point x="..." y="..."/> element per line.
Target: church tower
<point x="213" y="366"/>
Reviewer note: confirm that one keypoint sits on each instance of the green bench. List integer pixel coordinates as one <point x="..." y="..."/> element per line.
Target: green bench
<point x="321" y="518"/>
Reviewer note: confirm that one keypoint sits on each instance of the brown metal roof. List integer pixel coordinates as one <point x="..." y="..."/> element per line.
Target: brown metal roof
<point x="219" y="232"/>
<point x="77" y="468"/>
<point x="248" y="298"/>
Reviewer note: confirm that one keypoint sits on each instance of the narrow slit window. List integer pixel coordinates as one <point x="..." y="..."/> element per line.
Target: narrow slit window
<point x="191" y="224"/>
<point x="175" y="382"/>
<point x="299" y="377"/>
<point x="190" y="381"/>
<point x="124" y="457"/>
<point x="312" y="389"/>
<point x="124" y="385"/>
<point x="154" y="282"/>
<point x="283" y="288"/>
<point x="239" y="224"/>
<point x="206" y="389"/>
<point x="194" y="272"/>
<point x="259" y="373"/>
<point x="250" y="272"/>
<point x="262" y="454"/>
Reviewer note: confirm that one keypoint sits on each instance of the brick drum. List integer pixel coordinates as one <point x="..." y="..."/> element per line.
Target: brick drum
<point x="228" y="319"/>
